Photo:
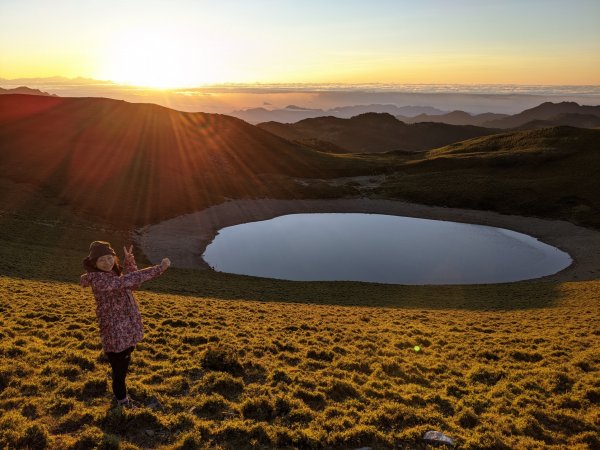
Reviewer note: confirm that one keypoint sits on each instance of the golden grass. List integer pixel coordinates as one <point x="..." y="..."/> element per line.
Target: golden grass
<point x="257" y="374"/>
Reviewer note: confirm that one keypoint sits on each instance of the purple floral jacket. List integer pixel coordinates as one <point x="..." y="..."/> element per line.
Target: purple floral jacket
<point x="117" y="311"/>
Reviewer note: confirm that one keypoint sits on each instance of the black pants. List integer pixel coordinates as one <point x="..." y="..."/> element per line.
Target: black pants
<point x="119" y="363"/>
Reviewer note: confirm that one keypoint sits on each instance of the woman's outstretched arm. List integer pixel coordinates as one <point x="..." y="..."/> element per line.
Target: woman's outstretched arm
<point x="130" y="280"/>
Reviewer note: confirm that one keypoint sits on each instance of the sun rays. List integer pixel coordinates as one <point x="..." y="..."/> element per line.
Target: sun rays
<point x="161" y="58"/>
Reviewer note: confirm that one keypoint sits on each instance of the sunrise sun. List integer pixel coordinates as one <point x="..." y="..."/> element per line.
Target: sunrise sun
<point x="159" y="59"/>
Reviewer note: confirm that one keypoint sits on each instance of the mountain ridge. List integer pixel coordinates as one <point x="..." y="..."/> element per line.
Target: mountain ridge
<point x="374" y="132"/>
<point x="84" y="149"/>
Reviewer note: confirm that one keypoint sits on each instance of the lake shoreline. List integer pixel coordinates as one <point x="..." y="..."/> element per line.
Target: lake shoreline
<point x="184" y="238"/>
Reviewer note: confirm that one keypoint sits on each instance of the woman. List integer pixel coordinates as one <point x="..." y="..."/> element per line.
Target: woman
<point x="117" y="311"/>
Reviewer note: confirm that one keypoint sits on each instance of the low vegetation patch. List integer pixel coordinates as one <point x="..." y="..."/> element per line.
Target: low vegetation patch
<point x="285" y="375"/>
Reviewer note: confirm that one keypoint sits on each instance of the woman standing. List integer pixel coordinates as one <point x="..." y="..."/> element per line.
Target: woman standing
<point x="117" y="311"/>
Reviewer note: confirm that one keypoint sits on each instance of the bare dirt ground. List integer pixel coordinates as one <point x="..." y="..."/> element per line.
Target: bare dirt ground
<point x="184" y="238"/>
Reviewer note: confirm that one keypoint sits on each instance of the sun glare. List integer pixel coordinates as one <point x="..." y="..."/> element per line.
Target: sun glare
<point x="161" y="60"/>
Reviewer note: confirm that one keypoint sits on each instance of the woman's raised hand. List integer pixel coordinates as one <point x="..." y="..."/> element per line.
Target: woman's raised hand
<point x="128" y="253"/>
<point x="165" y="263"/>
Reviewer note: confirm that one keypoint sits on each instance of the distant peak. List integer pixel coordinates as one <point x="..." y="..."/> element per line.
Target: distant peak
<point x="298" y="108"/>
<point x="376" y="116"/>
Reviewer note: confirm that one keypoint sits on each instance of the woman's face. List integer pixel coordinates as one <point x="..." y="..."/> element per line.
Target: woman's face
<point x="105" y="263"/>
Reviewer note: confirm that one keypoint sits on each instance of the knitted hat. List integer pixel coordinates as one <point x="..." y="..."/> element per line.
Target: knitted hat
<point x="100" y="248"/>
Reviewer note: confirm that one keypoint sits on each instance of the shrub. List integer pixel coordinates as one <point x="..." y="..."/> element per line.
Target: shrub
<point x="221" y="359"/>
<point x="177" y="386"/>
<point x="590" y="439"/>
<point x="301" y="415"/>
<point x="526" y="357"/>
<point x="88" y="439"/>
<point x="194" y="340"/>
<point x="315" y="400"/>
<point x="190" y="441"/>
<point x="486" y="376"/>
<point x="392" y="369"/>
<point x="81" y="361"/>
<point x="35" y="437"/>
<point x="28" y="389"/>
<point x="11" y="426"/>
<point x="115" y="421"/>
<point x="259" y="409"/>
<point x="181" y="422"/>
<point x="211" y="407"/>
<point x="355" y="366"/>
<point x="455" y="391"/>
<point x="69" y="372"/>
<point x="359" y="436"/>
<point x="468" y="419"/>
<point x="394" y="417"/>
<point x="241" y="435"/>
<point x="443" y="404"/>
<point x="224" y="384"/>
<point x="4" y="379"/>
<point x="593" y="395"/>
<point x="30" y="410"/>
<point x="74" y="421"/>
<point x="143" y="419"/>
<point x="341" y="390"/>
<point x="486" y="441"/>
<point x="320" y="356"/>
<point x="60" y="406"/>
<point x="109" y="442"/>
<point x="279" y="376"/>
<point x="561" y="383"/>
<point x="93" y="388"/>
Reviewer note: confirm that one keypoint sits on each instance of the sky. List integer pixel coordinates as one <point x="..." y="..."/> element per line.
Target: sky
<point x="179" y="43"/>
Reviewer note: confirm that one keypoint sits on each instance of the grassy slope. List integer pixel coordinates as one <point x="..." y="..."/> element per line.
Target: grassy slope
<point x="241" y="362"/>
<point x="89" y="152"/>
<point x="552" y="173"/>
<point x="240" y="373"/>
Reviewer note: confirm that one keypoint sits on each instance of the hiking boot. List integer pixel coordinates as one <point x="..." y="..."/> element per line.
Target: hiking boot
<point x="128" y="403"/>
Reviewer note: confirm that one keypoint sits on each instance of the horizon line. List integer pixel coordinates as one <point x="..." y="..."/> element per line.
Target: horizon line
<point x="286" y="84"/>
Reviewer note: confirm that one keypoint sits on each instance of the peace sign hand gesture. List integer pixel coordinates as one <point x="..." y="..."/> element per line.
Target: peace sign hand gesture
<point x="128" y="253"/>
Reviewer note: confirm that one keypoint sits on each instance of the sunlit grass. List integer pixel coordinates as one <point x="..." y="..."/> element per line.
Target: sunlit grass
<point x="240" y="362"/>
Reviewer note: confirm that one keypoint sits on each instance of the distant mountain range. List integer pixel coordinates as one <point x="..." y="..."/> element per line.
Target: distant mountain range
<point x="374" y="132"/>
<point x="555" y="114"/>
<point x="453" y="118"/>
<point x="551" y="112"/>
<point x="538" y="117"/>
<point x="26" y="91"/>
<point x="293" y="113"/>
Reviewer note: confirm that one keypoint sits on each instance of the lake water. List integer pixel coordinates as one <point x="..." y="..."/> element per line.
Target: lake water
<point x="381" y="248"/>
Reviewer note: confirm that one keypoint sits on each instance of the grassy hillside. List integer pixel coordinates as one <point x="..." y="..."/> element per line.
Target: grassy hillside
<point x="553" y="172"/>
<point x="138" y="163"/>
<point x="240" y="362"/>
